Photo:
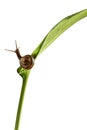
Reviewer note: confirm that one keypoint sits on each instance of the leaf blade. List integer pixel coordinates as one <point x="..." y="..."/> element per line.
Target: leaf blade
<point x="57" y="30"/>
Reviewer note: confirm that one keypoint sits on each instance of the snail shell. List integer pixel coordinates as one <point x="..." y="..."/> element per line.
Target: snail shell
<point x="27" y="61"/>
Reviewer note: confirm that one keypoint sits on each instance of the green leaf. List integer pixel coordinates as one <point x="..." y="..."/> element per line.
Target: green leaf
<point x="57" y="30"/>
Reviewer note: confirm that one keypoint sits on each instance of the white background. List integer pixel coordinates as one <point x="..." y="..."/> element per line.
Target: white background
<point x="56" y="94"/>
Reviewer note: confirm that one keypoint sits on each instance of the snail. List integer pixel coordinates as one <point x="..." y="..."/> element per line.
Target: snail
<point x="26" y="61"/>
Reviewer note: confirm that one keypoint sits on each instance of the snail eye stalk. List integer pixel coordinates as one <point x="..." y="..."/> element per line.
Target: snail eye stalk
<point x="16" y="51"/>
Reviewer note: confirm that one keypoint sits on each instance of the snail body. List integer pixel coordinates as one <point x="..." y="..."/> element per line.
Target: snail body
<point x="26" y="62"/>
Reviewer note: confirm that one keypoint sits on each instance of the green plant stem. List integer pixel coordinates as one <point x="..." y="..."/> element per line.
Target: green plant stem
<point x="24" y="83"/>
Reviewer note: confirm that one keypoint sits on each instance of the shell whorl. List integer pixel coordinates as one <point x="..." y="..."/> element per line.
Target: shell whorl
<point x="27" y="62"/>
